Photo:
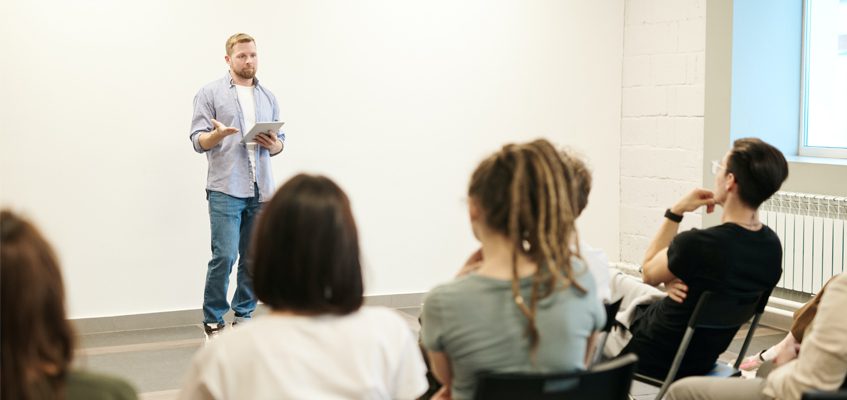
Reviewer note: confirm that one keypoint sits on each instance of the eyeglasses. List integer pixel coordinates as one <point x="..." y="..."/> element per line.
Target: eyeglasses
<point x="716" y="165"/>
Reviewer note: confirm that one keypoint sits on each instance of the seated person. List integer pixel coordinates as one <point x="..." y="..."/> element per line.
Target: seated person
<point x="37" y="339"/>
<point x="820" y="364"/>
<point x="531" y="305"/>
<point x="740" y="256"/>
<point x="802" y="318"/>
<point x="595" y="259"/>
<point x="318" y="342"/>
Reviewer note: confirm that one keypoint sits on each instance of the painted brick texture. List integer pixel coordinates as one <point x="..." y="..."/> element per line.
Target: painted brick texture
<point x="661" y="115"/>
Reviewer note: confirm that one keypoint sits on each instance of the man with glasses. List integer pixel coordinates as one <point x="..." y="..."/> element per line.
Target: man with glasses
<point x="739" y="256"/>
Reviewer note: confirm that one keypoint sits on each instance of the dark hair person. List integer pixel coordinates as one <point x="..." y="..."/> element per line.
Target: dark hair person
<point x="742" y="256"/>
<point x="318" y="341"/>
<point x="759" y="169"/>
<point x="306" y="252"/>
<point x="595" y="258"/>
<point x="531" y="305"/>
<point x="37" y="340"/>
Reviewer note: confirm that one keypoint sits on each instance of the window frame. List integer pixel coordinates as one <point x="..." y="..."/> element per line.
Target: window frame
<point x="803" y="149"/>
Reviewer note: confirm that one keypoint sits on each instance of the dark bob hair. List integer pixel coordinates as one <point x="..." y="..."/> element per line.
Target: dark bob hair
<point x="305" y="254"/>
<point x="759" y="168"/>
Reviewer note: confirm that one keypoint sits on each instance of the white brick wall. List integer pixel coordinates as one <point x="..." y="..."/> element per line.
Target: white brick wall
<point x="661" y="115"/>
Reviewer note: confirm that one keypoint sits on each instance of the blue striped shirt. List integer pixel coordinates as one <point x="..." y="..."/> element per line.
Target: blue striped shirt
<point x="229" y="165"/>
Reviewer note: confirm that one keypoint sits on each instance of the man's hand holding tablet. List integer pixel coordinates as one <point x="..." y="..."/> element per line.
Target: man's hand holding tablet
<point x="265" y="134"/>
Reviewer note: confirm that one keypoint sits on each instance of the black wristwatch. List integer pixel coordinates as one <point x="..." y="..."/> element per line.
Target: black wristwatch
<point x="673" y="217"/>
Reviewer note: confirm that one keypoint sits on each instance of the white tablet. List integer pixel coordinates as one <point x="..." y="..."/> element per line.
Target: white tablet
<point x="261" y="127"/>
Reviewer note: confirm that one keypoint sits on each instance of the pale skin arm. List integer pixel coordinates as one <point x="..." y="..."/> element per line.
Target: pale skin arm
<point x="788" y="352"/>
<point x="654" y="269"/>
<point x="472" y="264"/>
<point x="215" y="136"/>
<point x="590" y="348"/>
<point x="677" y="290"/>
<point x="440" y="365"/>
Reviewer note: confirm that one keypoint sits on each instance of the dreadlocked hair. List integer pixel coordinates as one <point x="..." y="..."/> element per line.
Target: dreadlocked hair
<point x="536" y="214"/>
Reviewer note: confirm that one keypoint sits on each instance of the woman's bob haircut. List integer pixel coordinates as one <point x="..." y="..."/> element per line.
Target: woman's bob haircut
<point x="305" y="254"/>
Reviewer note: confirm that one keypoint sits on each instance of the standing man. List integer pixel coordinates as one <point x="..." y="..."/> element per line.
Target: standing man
<point x="239" y="178"/>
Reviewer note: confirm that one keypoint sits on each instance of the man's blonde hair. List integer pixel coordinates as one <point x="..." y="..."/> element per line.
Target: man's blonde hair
<point x="235" y="39"/>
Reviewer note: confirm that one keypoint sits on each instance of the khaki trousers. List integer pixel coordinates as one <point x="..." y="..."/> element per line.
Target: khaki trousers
<point x="703" y="388"/>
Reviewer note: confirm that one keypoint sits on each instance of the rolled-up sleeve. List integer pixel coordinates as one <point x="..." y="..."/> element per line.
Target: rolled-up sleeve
<point x="275" y="107"/>
<point x="201" y="120"/>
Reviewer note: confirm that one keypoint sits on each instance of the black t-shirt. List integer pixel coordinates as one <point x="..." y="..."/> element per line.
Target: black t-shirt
<point x="724" y="259"/>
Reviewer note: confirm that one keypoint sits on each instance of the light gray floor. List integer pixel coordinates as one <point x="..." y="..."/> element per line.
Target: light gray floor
<point x="155" y="360"/>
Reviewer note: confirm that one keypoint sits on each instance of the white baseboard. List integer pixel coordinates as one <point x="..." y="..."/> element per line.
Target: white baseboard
<point x="167" y="319"/>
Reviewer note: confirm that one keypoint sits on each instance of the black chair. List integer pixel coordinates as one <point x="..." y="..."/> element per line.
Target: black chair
<point x="611" y="312"/>
<point x="609" y="380"/>
<point x="839" y="395"/>
<point x="715" y="311"/>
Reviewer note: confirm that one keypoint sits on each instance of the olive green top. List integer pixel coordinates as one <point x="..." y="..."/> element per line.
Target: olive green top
<point x="90" y="386"/>
<point x="82" y="385"/>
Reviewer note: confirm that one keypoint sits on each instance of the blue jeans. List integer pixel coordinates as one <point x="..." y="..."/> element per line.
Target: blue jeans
<point x="232" y="221"/>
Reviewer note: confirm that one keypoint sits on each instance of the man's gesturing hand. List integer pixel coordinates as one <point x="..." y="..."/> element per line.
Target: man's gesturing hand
<point x="222" y="129"/>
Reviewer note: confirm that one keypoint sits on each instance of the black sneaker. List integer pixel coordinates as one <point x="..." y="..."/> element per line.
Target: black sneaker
<point x="238" y="321"/>
<point x="212" y="333"/>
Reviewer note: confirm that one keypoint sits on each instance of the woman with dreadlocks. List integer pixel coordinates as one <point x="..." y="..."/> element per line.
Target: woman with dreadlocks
<point x="531" y="306"/>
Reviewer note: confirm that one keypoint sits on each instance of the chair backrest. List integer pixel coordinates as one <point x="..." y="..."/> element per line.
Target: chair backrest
<point x="839" y="395"/>
<point x="609" y="380"/>
<point x="611" y="312"/>
<point x="718" y="311"/>
<point x="725" y="311"/>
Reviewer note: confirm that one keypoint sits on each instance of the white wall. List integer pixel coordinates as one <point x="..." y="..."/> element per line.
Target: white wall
<point x="395" y="100"/>
<point x="662" y="115"/>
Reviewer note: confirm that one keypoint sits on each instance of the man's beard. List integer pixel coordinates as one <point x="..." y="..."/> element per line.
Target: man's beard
<point x="245" y="73"/>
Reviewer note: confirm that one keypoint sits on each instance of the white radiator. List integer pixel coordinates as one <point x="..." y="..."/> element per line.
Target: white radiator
<point x="812" y="231"/>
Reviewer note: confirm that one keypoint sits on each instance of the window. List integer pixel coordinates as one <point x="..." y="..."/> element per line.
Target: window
<point x="823" y="131"/>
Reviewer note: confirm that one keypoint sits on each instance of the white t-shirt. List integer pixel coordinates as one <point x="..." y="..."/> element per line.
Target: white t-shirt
<point x="369" y="354"/>
<point x="598" y="265"/>
<point x="248" y="108"/>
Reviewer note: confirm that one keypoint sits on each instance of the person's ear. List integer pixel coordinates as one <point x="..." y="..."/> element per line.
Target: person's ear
<point x="473" y="209"/>
<point x="227" y="59"/>
<point x="729" y="182"/>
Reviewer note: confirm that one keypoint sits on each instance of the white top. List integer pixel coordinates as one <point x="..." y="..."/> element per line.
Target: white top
<point x="598" y="265"/>
<point x="248" y="109"/>
<point x="369" y="354"/>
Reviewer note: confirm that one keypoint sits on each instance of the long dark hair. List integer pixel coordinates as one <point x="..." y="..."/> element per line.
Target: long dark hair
<point x="306" y="249"/>
<point x="527" y="193"/>
<point x="37" y="340"/>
